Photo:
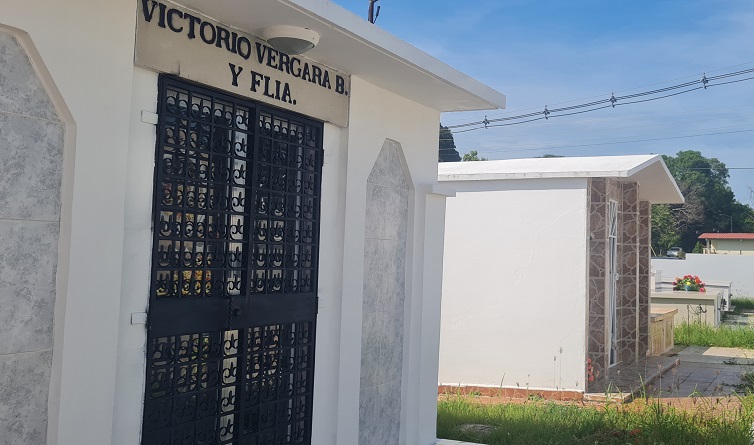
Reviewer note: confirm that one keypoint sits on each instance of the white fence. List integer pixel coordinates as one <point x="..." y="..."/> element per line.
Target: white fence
<point x="739" y="269"/>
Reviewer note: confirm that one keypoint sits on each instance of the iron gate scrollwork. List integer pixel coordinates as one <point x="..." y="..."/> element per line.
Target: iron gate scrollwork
<point x="230" y="354"/>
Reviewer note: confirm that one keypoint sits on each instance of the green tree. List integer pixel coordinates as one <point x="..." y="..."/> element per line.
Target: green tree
<point x="665" y="233"/>
<point x="548" y="155"/>
<point x="473" y="156"/>
<point x="710" y="204"/>
<point x="448" y="152"/>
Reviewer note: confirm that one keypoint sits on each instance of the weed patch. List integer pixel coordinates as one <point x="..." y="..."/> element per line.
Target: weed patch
<point x="541" y="422"/>
<point x="742" y="303"/>
<point x="699" y="334"/>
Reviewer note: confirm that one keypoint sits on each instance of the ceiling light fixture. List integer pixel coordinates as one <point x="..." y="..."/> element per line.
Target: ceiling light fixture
<point x="291" y="40"/>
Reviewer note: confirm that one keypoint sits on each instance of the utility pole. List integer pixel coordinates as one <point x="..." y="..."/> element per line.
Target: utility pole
<point x="372" y="13"/>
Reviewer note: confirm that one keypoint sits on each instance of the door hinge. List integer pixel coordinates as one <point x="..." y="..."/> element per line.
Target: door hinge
<point x="149" y="117"/>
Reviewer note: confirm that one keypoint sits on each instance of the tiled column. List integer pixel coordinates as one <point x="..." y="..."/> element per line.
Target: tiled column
<point x="596" y="348"/>
<point x="628" y="233"/>
<point x="645" y="230"/>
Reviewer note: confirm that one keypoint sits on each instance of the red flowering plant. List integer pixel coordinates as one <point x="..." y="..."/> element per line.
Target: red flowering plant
<point x="589" y="370"/>
<point x="690" y="283"/>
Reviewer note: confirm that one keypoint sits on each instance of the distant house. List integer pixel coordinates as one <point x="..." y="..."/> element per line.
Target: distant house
<point x="729" y="243"/>
<point x="546" y="269"/>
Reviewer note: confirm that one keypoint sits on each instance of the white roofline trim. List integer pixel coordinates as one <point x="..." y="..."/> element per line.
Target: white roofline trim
<point x="336" y="15"/>
<point x="657" y="185"/>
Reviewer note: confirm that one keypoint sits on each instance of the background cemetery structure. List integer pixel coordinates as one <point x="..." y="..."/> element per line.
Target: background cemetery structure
<point x="547" y="268"/>
<point x="728" y="243"/>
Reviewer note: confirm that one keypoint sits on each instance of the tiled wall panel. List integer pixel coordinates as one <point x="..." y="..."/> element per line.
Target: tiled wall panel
<point x="632" y="267"/>
<point x="645" y="230"/>
<point x="596" y="343"/>
<point x="31" y="155"/>
<point x="384" y="296"/>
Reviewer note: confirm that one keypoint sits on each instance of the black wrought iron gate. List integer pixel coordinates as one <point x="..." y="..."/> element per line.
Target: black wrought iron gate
<point x="233" y="303"/>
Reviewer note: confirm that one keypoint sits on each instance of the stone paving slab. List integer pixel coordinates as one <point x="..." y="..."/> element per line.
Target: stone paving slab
<point x="705" y="372"/>
<point x="712" y="354"/>
<point x="627" y="381"/>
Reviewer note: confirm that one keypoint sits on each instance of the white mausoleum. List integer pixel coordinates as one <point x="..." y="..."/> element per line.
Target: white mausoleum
<point x="546" y="270"/>
<point x="209" y="239"/>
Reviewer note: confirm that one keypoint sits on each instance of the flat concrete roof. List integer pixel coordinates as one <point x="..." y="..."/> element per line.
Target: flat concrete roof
<point x="656" y="184"/>
<point x="351" y="44"/>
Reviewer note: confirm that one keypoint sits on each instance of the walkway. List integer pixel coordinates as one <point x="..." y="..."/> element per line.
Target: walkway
<point x="687" y="372"/>
<point x="705" y="371"/>
<point x="628" y="381"/>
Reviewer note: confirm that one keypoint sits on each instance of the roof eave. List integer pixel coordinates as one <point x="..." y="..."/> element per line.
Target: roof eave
<point x="354" y="46"/>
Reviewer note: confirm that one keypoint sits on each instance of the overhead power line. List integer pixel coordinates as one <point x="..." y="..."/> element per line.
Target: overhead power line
<point x="730" y="67"/>
<point x="553" y="147"/>
<point x="629" y="127"/>
<point x="613" y="101"/>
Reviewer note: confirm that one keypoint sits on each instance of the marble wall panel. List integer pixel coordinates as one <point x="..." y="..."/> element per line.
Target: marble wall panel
<point x="30" y="168"/>
<point x="375" y="220"/>
<point x="21" y="91"/>
<point x="385" y="233"/>
<point x="31" y="159"/>
<point x="379" y="402"/>
<point x="24" y="386"/>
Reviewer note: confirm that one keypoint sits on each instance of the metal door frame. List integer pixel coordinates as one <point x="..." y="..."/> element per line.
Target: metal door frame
<point x="233" y="294"/>
<point x="612" y="283"/>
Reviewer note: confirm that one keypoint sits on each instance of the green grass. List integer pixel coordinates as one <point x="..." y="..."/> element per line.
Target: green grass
<point x="742" y="303"/>
<point x="725" y="336"/>
<point x="548" y="423"/>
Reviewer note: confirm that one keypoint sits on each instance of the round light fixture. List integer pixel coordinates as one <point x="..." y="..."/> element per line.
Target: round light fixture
<point x="291" y="40"/>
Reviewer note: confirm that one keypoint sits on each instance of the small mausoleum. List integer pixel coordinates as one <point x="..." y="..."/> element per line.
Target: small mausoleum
<point x="219" y="224"/>
<point x="546" y="269"/>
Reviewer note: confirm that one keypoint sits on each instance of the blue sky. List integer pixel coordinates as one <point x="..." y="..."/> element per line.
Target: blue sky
<point x="568" y="52"/>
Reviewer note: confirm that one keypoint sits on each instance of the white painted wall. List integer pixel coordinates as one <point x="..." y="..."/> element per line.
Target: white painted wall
<point x="514" y="284"/>
<point x="137" y="255"/>
<point x="90" y="60"/>
<point x="99" y="354"/>
<point x="349" y="156"/>
<point x="734" y="268"/>
<point x="376" y="115"/>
